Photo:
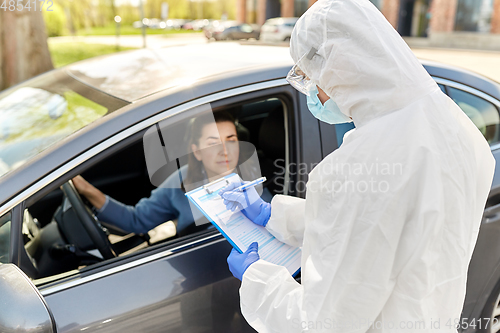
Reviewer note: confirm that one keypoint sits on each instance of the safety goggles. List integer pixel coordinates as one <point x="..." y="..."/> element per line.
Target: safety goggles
<point x="299" y="80"/>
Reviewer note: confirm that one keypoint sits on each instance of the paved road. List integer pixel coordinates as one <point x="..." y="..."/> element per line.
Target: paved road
<point x="486" y="63"/>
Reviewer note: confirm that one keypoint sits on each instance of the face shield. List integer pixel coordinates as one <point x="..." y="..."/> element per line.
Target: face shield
<point x="298" y="79"/>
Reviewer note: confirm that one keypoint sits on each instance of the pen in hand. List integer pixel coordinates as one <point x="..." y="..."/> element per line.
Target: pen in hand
<point x="251" y="184"/>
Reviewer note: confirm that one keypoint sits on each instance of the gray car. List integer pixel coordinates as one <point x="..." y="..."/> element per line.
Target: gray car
<point x="64" y="270"/>
<point x="237" y="31"/>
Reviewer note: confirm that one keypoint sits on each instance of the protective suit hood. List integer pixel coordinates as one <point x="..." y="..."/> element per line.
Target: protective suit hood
<point x="351" y="51"/>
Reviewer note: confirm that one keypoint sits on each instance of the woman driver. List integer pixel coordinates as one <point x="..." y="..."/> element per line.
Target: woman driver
<point x="215" y="154"/>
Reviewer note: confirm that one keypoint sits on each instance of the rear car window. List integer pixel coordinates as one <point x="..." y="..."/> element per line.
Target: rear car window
<point x="43" y="111"/>
<point x="482" y="113"/>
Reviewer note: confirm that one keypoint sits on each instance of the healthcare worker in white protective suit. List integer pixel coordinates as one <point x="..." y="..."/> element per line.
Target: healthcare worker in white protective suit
<point x="390" y="218"/>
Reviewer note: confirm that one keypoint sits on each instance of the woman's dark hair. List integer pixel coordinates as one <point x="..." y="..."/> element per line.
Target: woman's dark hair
<point x="196" y="172"/>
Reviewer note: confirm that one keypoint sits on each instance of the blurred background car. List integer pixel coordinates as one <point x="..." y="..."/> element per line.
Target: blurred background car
<point x="137" y="24"/>
<point x="196" y="25"/>
<point x="156" y="24"/>
<point x="176" y="23"/>
<point x="153" y="23"/>
<point x="278" y="29"/>
<point x="230" y="31"/>
<point x="217" y="25"/>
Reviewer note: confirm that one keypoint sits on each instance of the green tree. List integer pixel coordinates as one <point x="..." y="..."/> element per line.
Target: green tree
<point x="152" y="8"/>
<point x="55" y="21"/>
<point x="128" y="13"/>
<point x="178" y="9"/>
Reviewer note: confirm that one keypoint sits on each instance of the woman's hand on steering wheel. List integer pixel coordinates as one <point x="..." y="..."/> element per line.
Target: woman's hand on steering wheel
<point x="88" y="220"/>
<point x="93" y="195"/>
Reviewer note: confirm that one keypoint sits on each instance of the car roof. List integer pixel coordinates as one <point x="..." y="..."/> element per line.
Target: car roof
<point x="463" y="76"/>
<point x="218" y="67"/>
<point x="133" y="75"/>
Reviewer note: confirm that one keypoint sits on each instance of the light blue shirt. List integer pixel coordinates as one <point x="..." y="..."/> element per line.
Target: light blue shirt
<point x="167" y="202"/>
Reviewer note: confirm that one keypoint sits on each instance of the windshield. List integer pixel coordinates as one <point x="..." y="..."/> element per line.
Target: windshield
<point x="41" y="112"/>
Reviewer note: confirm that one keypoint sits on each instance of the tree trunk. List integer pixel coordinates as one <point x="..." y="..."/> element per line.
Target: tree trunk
<point x="24" y="52"/>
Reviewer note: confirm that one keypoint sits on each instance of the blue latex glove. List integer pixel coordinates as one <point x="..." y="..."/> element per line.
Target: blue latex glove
<point x="248" y="201"/>
<point x="239" y="262"/>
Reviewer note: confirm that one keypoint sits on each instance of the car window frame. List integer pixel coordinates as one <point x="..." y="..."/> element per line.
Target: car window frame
<point x="459" y="86"/>
<point x="112" y="145"/>
<point x="85" y="155"/>
<point x="16" y="241"/>
<point x="11" y="235"/>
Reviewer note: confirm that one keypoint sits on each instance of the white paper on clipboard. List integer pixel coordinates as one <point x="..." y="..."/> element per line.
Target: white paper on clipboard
<point x="239" y="230"/>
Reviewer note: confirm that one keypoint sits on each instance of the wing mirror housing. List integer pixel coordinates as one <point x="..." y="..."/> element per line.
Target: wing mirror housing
<point x="22" y="308"/>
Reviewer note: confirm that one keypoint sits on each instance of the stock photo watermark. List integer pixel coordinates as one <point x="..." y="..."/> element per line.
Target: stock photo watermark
<point x="339" y="177"/>
<point x="402" y="325"/>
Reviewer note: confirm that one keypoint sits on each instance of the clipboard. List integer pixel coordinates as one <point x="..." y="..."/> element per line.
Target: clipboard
<point x="238" y="229"/>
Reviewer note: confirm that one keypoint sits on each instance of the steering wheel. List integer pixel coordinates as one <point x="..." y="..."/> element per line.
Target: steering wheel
<point x="88" y="221"/>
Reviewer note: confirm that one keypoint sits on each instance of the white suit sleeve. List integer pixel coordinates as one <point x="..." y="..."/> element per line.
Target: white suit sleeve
<point x="287" y="219"/>
<point x="272" y="301"/>
<point x="278" y="299"/>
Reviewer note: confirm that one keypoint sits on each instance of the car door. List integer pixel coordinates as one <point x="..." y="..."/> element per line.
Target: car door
<point x="183" y="284"/>
<point x="483" y="283"/>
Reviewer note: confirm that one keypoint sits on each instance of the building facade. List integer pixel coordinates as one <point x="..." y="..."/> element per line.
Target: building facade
<point x="421" y="17"/>
<point x="417" y="18"/>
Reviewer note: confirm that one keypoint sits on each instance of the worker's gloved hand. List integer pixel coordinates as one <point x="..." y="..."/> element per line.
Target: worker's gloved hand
<point x="248" y="201"/>
<point x="239" y="262"/>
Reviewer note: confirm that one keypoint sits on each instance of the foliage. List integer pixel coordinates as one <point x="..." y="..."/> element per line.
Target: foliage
<point x="73" y="16"/>
<point x="55" y="21"/>
<point x="79" y="14"/>
<point x="185" y="9"/>
<point x="128" y="13"/>
<point x="67" y="53"/>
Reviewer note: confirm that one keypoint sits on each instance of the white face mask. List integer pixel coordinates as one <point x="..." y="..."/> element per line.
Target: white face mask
<point x="329" y="112"/>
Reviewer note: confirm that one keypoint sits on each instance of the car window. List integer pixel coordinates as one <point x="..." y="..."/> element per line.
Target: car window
<point x="246" y="28"/>
<point x="146" y="181"/>
<point x="482" y="113"/>
<point x="39" y="113"/>
<point x="5" y="222"/>
<point x="443" y="88"/>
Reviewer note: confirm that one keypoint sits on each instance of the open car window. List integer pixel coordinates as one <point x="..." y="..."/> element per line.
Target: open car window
<point x="44" y="110"/>
<point x="145" y="184"/>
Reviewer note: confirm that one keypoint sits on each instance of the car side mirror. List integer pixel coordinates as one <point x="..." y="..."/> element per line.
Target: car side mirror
<point x="23" y="308"/>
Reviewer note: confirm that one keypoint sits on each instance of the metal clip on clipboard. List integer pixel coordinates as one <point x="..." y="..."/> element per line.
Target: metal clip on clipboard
<point x="214" y="186"/>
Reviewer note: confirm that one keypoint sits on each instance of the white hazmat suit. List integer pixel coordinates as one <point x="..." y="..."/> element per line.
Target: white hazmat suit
<point x="390" y="219"/>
